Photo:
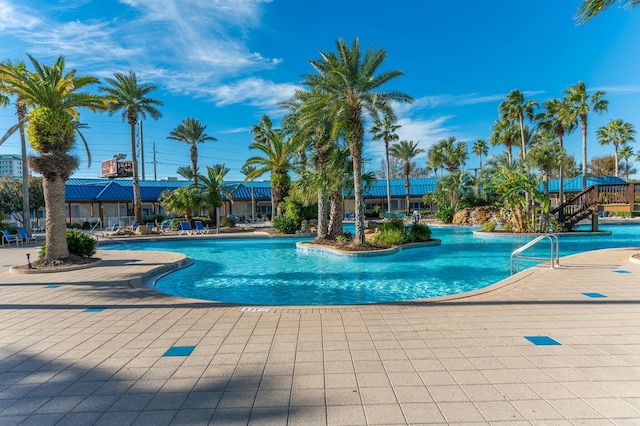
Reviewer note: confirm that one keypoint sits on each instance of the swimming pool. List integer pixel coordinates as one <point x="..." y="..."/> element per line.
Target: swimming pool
<point x="271" y="271"/>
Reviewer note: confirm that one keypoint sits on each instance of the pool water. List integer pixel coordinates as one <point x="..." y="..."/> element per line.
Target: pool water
<point x="271" y="271"/>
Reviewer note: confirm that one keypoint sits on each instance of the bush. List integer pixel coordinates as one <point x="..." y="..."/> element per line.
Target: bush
<point x="419" y="232"/>
<point x="79" y="243"/>
<point x="489" y="226"/>
<point x="445" y="214"/>
<point x="389" y="237"/>
<point x="507" y="226"/>
<point x="285" y="224"/>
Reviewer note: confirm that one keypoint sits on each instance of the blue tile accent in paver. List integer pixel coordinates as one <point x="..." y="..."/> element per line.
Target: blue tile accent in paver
<point x="621" y="271"/>
<point x="97" y="309"/>
<point x="51" y="286"/>
<point x="179" y="351"/>
<point x="542" y="340"/>
<point x="594" y="295"/>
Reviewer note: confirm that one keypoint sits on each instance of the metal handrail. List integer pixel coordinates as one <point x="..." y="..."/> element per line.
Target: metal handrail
<point x="554" y="258"/>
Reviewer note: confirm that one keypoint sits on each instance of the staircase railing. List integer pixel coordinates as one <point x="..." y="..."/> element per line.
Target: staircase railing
<point x="554" y="253"/>
<point x="578" y="207"/>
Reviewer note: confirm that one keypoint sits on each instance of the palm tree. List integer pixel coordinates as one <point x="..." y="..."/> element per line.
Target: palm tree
<point x="556" y="118"/>
<point x="580" y="103"/>
<point x="453" y="153"/>
<point x="214" y="188"/>
<point x="127" y="95"/>
<point x="618" y="133"/>
<point x="346" y="84"/>
<point x="546" y="155"/>
<point x="590" y="8"/>
<point x="186" y="172"/>
<point x="406" y="151"/>
<point x="191" y="132"/>
<point x="480" y="148"/>
<point x="514" y="107"/>
<point x="626" y="152"/>
<point x="182" y="201"/>
<point x="385" y="129"/>
<point x="435" y="159"/>
<point x="277" y="158"/>
<point x="504" y="133"/>
<point x="54" y="97"/>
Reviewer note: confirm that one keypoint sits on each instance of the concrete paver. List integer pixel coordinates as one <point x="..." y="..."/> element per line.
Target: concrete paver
<point x="461" y="359"/>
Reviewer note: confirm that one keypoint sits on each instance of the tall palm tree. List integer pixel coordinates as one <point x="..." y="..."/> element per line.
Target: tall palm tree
<point x="347" y="87"/>
<point x="406" y="151"/>
<point x="54" y="97"/>
<point x="590" y="8"/>
<point x="277" y="158"/>
<point x="127" y="95"/>
<point x="617" y="133"/>
<point x="580" y="104"/>
<point x="385" y="129"/>
<point x="453" y="153"/>
<point x="546" y="155"/>
<point x="626" y="152"/>
<point x="435" y="159"/>
<point x="21" y="113"/>
<point x="480" y="148"/>
<point x="514" y="107"/>
<point x="556" y="118"/>
<point x="504" y="133"/>
<point x="191" y="132"/>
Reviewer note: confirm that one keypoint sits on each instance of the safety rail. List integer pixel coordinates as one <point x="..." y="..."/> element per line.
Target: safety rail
<point x="554" y="257"/>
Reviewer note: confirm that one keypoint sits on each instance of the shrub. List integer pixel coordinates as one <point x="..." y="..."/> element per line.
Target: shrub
<point x="285" y="224"/>
<point x="79" y="243"/>
<point x="507" y="226"/>
<point x="489" y="226"/>
<point x="445" y="214"/>
<point x="388" y="237"/>
<point x="419" y="232"/>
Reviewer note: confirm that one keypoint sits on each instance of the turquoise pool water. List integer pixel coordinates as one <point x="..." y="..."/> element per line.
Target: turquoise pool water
<point x="271" y="271"/>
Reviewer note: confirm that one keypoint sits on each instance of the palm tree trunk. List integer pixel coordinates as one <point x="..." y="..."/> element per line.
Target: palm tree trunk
<point x="615" y="146"/>
<point x="137" y="201"/>
<point x="336" y="214"/>
<point x="323" y="221"/>
<point x="523" y="143"/>
<point x="56" y="230"/>
<point x="355" y="138"/>
<point x="21" y="111"/>
<point x="583" y="121"/>
<point x="194" y="164"/>
<point x="386" y="152"/>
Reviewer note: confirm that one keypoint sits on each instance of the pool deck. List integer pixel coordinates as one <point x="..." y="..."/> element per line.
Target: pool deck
<point x="90" y="347"/>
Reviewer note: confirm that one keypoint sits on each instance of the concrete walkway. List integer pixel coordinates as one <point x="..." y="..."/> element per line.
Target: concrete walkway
<point x="90" y="347"/>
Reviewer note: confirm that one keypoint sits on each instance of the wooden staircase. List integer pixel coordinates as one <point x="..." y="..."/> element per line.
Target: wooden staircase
<point x="608" y="197"/>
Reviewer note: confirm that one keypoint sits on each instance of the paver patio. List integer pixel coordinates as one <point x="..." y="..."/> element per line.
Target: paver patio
<point x="88" y="347"/>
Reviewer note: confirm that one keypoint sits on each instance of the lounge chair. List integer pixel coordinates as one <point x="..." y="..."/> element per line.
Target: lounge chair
<point x="25" y="235"/>
<point x="185" y="228"/>
<point x="200" y="229"/>
<point x="6" y="236"/>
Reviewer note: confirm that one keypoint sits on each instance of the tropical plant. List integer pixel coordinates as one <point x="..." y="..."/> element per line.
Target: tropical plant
<point x="385" y="129"/>
<point x="183" y="201"/>
<point x="626" y="152"/>
<point x="546" y="155"/>
<point x="54" y="97"/>
<point x="406" y="151"/>
<point x="346" y="85"/>
<point x="590" y="8"/>
<point x="186" y="172"/>
<point x="617" y="133"/>
<point x="514" y="107"/>
<point x="277" y="159"/>
<point x="480" y="148"/>
<point x="556" y="118"/>
<point x="580" y="104"/>
<point x="79" y="243"/>
<point x="214" y="189"/>
<point x="504" y="133"/>
<point x="127" y="95"/>
<point x="285" y="224"/>
<point x="515" y="187"/>
<point x="191" y="132"/>
<point x="453" y="154"/>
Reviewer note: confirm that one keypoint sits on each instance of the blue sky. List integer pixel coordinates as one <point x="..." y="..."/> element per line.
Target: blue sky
<point x="228" y="62"/>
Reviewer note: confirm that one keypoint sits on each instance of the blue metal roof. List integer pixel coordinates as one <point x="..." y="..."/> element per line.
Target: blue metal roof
<point x="575" y="184"/>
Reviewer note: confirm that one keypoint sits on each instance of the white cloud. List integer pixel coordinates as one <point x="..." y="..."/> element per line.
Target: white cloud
<point x="434" y="101"/>
<point x="620" y="90"/>
<point x="253" y="91"/>
<point x="12" y="19"/>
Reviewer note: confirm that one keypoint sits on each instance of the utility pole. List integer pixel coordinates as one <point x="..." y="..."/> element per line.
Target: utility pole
<point x="155" y="174"/>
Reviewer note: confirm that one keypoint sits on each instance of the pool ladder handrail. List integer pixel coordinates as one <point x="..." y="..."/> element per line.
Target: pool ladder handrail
<point x="554" y="258"/>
